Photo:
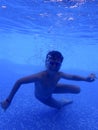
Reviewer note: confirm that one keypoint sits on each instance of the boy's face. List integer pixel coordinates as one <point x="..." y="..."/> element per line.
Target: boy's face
<point x="53" y="64"/>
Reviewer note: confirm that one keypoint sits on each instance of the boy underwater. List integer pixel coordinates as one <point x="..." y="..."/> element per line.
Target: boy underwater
<point x="46" y="83"/>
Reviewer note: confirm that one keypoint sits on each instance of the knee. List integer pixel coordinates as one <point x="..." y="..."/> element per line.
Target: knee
<point x="78" y="90"/>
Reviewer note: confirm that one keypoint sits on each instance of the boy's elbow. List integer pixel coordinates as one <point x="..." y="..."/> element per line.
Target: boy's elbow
<point x="19" y="82"/>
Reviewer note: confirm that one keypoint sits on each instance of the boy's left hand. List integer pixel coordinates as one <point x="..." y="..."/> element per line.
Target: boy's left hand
<point x="91" y="78"/>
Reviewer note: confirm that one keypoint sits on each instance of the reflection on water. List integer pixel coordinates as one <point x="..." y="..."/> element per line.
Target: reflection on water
<point x="48" y="17"/>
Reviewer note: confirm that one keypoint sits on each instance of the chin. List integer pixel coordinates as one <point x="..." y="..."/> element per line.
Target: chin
<point x="55" y="71"/>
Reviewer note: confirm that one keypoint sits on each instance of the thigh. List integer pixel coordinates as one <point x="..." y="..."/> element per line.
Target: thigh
<point x="66" y="88"/>
<point x="52" y="102"/>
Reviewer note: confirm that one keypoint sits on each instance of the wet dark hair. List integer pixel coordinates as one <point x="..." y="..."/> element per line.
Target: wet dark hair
<point x="54" y="55"/>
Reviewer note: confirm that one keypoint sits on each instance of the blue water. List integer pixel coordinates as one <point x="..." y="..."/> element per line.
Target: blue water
<point x="28" y="30"/>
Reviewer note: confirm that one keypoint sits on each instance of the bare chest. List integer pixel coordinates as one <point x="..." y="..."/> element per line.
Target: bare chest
<point x="49" y="82"/>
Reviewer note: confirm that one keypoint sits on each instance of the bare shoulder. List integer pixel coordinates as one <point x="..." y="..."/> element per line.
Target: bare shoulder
<point x="65" y="75"/>
<point x="38" y="75"/>
<point x="41" y="73"/>
<point x="30" y="78"/>
<point x="62" y="73"/>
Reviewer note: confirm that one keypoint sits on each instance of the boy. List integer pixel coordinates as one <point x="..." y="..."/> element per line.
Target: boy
<point x="46" y="83"/>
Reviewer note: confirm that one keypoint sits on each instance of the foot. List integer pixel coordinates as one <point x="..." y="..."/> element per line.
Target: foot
<point x="65" y="102"/>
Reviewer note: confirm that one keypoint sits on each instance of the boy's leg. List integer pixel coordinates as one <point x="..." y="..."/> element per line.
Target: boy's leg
<point x="56" y="104"/>
<point x="66" y="88"/>
<point x="61" y="88"/>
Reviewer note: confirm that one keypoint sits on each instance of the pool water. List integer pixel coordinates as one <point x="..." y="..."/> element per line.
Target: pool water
<point x="28" y="30"/>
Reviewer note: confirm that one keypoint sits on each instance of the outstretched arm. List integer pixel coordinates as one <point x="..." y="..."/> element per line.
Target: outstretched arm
<point x="29" y="79"/>
<point x="89" y="78"/>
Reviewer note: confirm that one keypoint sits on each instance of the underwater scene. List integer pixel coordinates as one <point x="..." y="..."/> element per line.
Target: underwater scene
<point x="29" y="29"/>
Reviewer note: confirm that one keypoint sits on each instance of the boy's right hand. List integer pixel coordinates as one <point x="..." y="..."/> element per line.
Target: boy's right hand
<point x="5" y="104"/>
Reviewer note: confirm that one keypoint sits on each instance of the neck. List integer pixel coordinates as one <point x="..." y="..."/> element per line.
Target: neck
<point x="51" y="73"/>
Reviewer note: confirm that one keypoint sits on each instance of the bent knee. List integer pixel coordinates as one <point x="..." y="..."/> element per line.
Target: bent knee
<point x="78" y="90"/>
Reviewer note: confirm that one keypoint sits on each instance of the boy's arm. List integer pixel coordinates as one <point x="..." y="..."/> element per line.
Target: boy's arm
<point x="25" y="80"/>
<point x="90" y="78"/>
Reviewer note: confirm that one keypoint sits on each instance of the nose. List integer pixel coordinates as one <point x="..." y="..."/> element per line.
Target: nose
<point x="54" y="65"/>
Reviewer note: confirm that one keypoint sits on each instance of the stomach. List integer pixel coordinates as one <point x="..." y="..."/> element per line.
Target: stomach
<point x="43" y="94"/>
<point x="42" y="97"/>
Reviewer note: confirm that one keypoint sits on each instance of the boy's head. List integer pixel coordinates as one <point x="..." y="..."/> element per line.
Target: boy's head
<point x="54" y="60"/>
